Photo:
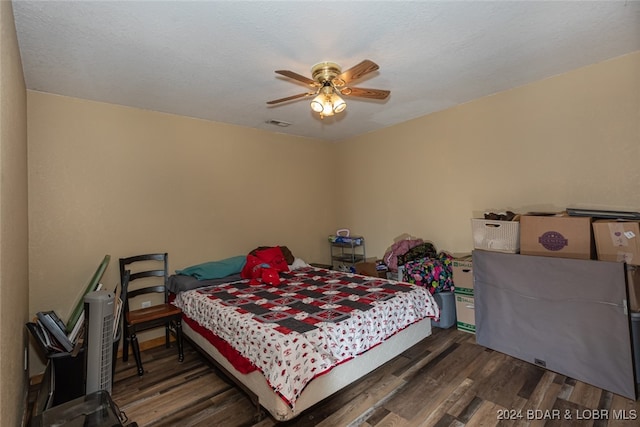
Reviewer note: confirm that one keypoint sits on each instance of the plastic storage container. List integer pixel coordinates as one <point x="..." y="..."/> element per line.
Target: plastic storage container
<point x="497" y="236"/>
<point x="447" y="304"/>
<point x="396" y="275"/>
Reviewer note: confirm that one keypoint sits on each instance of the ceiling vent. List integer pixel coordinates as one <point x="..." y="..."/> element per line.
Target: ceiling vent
<point x="278" y="123"/>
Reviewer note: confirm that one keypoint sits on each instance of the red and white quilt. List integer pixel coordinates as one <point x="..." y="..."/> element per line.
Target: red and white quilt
<point x="314" y="320"/>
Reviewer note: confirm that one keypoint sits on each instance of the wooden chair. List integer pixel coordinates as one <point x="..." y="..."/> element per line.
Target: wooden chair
<point x="148" y="270"/>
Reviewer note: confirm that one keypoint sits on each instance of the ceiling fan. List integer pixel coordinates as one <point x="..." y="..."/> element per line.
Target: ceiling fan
<point x="329" y="82"/>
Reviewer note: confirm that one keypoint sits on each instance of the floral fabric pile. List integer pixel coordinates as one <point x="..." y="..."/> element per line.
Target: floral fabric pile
<point x="435" y="274"/>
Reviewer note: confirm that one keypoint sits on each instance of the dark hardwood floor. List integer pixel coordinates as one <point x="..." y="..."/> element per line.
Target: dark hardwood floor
<point x="445" y="380"/>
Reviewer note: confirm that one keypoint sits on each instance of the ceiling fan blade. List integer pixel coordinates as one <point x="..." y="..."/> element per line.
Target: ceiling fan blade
<point x="357" y="71"/>
<point x="365" y="93"/>
<point x="297" y="76"/>
<point x="290" y="98"/>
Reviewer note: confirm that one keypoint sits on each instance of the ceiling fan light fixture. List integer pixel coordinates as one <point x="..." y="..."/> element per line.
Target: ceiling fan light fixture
<point x="328" y="103"/>
<point x="330" y="82"/>
<point x="317" y="104"/>
<point x="338" y="104"/>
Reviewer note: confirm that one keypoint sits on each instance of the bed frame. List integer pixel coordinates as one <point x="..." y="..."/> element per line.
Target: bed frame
<point x="262" y="396"/>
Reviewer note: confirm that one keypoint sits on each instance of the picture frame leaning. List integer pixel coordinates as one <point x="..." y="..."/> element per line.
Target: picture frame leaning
<point x="78" y="307"/>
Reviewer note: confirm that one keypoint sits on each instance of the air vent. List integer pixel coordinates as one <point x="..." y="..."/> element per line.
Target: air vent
<point x="278" y="123"/>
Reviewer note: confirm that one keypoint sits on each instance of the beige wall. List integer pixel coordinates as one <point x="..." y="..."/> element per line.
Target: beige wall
<point x="14" y="280"/>
<point x="105" y="179"/>
<point x="570" y="140"/>
<point x="108" y="179"/>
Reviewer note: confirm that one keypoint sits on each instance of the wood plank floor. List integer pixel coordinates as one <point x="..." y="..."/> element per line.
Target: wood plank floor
<point x="445" y="380"/>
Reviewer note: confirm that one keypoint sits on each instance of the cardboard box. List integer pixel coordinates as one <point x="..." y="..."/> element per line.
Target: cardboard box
<point x="465" y="313"/>
<point x="462" y="274"/>
<point x="617" y="240"/>
<point x="557" y="235"/>
<point x="368" y="268"/>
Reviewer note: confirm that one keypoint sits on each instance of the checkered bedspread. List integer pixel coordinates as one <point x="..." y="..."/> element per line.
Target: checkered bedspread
<point x="311" y="322"/>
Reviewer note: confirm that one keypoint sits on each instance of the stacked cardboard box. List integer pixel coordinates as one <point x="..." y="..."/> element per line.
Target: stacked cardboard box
<point x="619" y="241"/>
<point x="463" y="283"/>
<point x="556" y="235"/>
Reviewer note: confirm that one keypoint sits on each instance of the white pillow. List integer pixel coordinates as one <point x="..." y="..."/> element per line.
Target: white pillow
<point x="298" y="263"/>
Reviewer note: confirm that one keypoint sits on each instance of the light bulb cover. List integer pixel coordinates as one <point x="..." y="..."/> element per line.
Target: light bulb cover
<point x="327" y="109"/>
<point x="317" y="104"/>
<point x="338" y="104"/>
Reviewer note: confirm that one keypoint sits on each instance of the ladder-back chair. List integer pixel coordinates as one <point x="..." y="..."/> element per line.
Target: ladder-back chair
<point x="147" y="275"/>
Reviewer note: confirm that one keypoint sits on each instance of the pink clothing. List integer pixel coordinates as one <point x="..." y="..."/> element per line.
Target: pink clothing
<point x="399" y="248"/>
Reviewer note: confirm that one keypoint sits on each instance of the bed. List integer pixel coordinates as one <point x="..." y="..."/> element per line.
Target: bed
<point x="291" y="345"/>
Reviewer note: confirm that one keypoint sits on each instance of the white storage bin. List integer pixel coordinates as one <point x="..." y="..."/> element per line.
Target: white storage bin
<point x="497" y="236"/>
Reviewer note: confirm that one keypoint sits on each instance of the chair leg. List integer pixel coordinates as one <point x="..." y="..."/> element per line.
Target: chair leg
<point x="125" y="346"/>
<point x="167" y="336"/>
<point x="179" y="340"/>
<point x="136" y="352"/>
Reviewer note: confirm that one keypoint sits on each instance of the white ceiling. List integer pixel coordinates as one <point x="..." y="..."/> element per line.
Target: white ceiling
<point x="215" y="60"/>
